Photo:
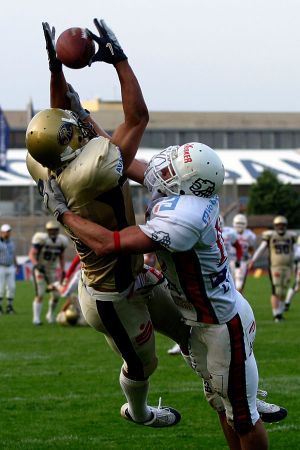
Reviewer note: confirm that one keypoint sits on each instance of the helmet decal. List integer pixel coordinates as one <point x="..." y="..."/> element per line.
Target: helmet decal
<point x="162" y="237"/>
<point x="65" y="133"/>
<point x="202" y="188"/>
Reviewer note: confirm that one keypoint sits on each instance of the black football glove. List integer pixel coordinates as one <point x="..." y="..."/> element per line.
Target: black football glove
<point x="55" y="64"/>
<point x="54" y="199"/>
<point x="76" y="105"/>
<point x="109" y="49"/>
<point x="237" y="264"/>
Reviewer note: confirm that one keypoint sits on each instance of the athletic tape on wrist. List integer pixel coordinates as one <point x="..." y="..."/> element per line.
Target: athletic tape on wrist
<point x="117" y="241"/>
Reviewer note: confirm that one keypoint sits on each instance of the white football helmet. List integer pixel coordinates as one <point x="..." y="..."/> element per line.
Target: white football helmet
<point x="53" y="135"/>
<point x="240" y="223"/>
<point x="190" y="169"/>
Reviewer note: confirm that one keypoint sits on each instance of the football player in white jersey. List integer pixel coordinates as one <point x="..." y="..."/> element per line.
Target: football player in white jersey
<point x="183" y="227"/>
<point x="233" y="247"/>
<point x="280" y="243"/>
<point x="296" y="285"/>
<point x="90" y="166"/>
<point x="247" y="241"/>
<point x="46" y="253"/>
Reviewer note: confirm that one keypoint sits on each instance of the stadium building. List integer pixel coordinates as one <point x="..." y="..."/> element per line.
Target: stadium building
<point x="247" y="142"/>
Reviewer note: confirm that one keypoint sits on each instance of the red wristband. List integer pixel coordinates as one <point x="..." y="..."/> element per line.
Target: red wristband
<point x="117" y="241"/>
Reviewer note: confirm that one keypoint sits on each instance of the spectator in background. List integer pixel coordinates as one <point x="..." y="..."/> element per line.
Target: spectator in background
<point x="8" y="268"/>
<point x="47" y="249"/>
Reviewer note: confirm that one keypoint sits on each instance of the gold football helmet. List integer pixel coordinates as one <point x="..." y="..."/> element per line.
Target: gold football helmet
<point x="36" y="170"/>
<point x="52" y="225"/>
<point x="280" y="224"/>
<point x="72" y="315"/>
<point x="280" y="220"/>
<point x="52" y="137"/>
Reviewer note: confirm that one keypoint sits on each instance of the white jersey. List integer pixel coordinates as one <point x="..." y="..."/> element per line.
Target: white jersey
<point x="230" y="237"/>
<point x="49" y="250"/>
<point x="195" y="261"/>
<point x="247" y="240"/>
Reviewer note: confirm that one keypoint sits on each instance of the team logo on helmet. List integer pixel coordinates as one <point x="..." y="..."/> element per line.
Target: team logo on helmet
<point x="202" y="188"/>
<point x="65" y="133"/>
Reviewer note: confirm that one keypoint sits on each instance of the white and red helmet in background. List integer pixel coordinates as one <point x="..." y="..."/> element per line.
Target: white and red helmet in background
<point x="240" y="223"/>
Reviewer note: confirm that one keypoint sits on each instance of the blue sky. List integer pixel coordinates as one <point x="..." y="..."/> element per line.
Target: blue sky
<point x="198" y="55"/>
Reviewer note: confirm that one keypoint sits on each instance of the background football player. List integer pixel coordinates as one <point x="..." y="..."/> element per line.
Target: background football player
<point x="232" y="245"/>
<point x="247" y="240"/>
<point x="46" y="253"/>
<point x="280" y="244"/>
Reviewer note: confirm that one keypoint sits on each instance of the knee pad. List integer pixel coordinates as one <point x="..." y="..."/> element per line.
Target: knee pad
<point x="279" y="291"/>
<point x="134" y="373"/>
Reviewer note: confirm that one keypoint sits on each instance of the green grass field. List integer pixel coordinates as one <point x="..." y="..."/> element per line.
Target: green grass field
<point x="59" y="386"/>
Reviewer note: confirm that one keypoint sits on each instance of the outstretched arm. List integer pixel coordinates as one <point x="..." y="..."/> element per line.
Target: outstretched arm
<point x="129" y="134"/>
<point x="62" y="94"/>
<point x="263" y="245"/>
<point x="103" y="241"/>
<point x="58" y="84"/>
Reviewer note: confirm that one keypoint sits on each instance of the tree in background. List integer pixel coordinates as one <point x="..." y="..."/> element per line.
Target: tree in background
<point x="270" y="196"/>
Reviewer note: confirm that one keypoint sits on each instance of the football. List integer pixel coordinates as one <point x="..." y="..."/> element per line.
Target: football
<point x="74" y="48"/>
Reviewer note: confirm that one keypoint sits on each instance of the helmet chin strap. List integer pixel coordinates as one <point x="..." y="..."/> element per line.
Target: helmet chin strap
<point x="69" y="154"/>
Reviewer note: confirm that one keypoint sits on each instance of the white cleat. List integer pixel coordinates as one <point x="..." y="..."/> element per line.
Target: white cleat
<point x="50" y="317"/>
<point x="269" y="412"/>
<point x="162" y="416"/>
<point x="175" y="350"/>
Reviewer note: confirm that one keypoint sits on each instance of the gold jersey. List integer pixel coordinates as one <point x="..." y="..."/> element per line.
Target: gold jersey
<point x="281" y="247"/>
<point x="49" y="249"/>
<point x="92" y="186"/>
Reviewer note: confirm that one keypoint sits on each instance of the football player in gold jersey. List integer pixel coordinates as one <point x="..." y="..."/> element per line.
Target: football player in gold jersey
<point x="89" y="167"/>
<point x="280" y="243"/>
<point x="47" y="249"/>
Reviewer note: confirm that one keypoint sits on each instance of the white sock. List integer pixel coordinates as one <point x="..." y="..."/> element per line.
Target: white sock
<point x="136" y="393"/>
<point x="281" y="307"/>
<point x="51" y="306"/>
<point x="277" y="311"/>
<point x="37" y="309"/>
<point x="289" y="296"/>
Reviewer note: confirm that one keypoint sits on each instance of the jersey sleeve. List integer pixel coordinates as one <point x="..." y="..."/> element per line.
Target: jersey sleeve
<point x="38" y="239"/>
<point x="176" y="237"/>
<point x="266" y="235"/>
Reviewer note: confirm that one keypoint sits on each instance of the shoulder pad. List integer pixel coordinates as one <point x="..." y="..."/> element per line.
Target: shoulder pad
<point x="39" y="238"/>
